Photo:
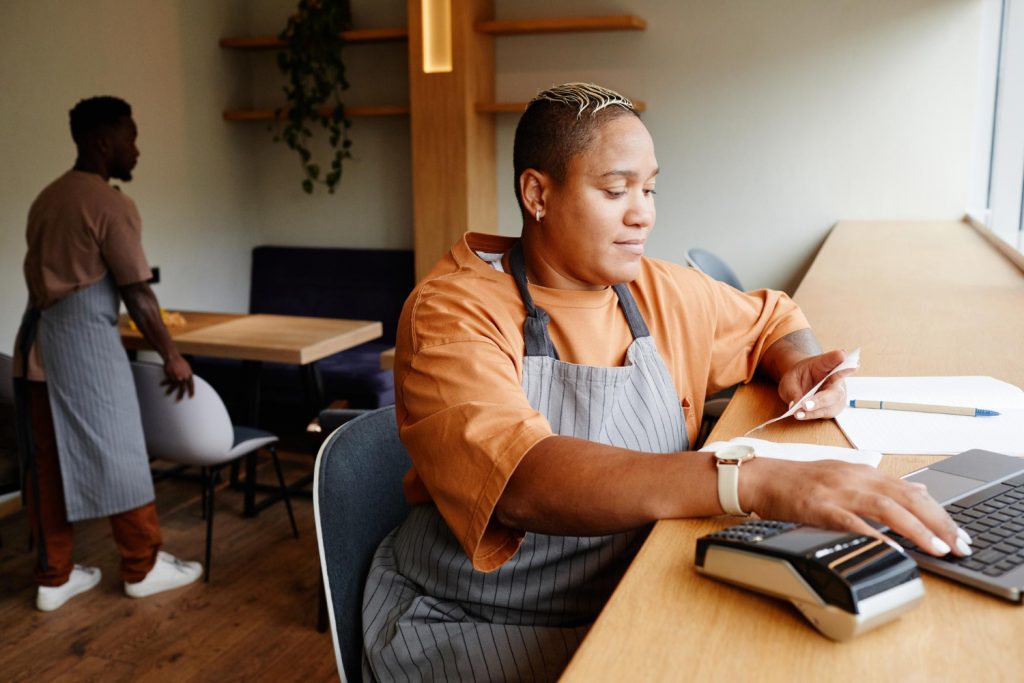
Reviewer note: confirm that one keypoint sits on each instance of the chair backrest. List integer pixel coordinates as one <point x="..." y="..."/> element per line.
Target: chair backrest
<point x="192" y="431"/>
<point x="358" y="501"/>
<point x="6" y="380"/>
<point x="712" y="266"/>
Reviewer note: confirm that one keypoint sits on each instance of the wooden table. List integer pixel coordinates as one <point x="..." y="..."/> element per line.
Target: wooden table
<point x="254" y="339"/>
<point x="919" y="298"/>
<point x="261" y="337"/>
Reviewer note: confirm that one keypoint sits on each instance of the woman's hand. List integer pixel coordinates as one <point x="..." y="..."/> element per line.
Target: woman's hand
<point x="801" y="377"/>
<point x="837" y="495"/>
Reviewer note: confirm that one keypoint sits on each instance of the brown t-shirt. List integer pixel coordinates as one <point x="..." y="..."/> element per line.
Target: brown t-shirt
<point x="462" y="413"/>
<point x="79" y="229"/>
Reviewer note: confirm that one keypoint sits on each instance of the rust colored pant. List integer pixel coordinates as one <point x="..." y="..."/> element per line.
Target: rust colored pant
<point x="136" y="532"/>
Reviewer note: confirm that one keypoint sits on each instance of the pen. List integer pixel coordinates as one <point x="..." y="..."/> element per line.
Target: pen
<point x="923" y="408"/>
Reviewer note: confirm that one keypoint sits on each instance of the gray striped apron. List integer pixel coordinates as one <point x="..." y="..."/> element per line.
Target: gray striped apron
<point x="428" y="615"/>
<point x="96" y="419"/>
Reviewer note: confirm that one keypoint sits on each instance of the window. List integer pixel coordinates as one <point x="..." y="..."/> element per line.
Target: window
<point x="997" y="193"/>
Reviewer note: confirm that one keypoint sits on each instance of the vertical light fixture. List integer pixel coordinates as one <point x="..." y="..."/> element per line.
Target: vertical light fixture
<point x="437" y="36"/>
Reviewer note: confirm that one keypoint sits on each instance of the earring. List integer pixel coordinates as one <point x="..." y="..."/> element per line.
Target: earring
<point x="537" y="215"/>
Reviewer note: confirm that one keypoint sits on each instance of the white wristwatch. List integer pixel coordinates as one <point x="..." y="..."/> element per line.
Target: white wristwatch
<point x="728" y="461"/>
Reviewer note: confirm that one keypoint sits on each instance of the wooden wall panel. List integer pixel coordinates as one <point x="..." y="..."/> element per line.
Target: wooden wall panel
<point x="453" y="146"/>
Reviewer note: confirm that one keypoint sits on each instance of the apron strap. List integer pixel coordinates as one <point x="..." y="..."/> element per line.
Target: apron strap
<point x="637" y="324"/>
<point x="535" y="329"/>
<point x="23" y="412"/>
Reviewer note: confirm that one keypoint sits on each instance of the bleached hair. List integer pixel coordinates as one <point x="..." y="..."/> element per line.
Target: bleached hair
<point x="553" y="128"/>
<point x="582" y="96"/>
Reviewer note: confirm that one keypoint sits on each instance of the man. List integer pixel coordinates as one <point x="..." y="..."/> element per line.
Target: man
<point x="80" y="430"/>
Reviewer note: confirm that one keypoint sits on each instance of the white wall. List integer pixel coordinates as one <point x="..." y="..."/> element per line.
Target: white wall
<point x="772" y="119"/>
<point x="191" y="183"/>
<point x="372" y="207"/>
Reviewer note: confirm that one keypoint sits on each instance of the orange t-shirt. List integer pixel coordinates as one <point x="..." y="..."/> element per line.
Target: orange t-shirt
<point x="79" y="229"/>
<point x="461" y="410"/>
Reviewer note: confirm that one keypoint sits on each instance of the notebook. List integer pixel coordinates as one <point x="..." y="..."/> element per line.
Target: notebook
<point x="984" y="493"/>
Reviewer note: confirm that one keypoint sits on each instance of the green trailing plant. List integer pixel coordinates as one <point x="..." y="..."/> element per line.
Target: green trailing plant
<point x="312" y="63"/>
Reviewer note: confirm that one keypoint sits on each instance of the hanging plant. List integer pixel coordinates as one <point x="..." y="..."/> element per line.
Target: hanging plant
<point x="312" y="63"/>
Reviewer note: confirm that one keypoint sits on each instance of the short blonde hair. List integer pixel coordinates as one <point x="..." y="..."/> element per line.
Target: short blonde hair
<point x="559" y="123"/>
<point x="584" y="96"/>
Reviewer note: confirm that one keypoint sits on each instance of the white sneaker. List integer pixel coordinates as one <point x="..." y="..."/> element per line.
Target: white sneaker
<point x="49" y="598"/>
<point x="168" y="572"/>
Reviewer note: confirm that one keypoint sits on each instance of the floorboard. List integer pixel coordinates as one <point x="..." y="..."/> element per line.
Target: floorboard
<point x="254" y="621"/>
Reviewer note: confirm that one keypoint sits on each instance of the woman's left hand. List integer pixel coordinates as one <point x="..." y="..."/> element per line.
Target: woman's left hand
<point x="830" y="399"/>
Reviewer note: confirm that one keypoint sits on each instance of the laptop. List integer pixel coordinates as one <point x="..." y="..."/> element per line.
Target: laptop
<point x="984" y="493"/>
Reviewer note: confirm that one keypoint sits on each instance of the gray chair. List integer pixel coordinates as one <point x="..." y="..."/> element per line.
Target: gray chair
<point x="197" y="432"/>
<point x="358" y="500"/>
<point x="332" y="418"/>
<point x="712" y="266"/>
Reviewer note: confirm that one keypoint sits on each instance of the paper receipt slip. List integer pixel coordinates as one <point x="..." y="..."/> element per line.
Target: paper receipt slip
<point x="852" y="361"/>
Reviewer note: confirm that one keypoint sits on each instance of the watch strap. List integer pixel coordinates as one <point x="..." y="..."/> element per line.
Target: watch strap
<point x="729" y="488"/>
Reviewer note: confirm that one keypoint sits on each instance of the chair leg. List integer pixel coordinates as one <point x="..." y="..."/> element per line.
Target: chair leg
<point x="284" y="489"/>
<point x="204" y="478"/>
<point x="214" y="475"/>
<point x="322" y="619"/>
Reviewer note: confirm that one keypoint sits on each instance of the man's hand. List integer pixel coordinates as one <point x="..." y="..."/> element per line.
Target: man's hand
<point x="178" y="377"/>
<point x="837" y="495"/>
<point x="145" y="311"/>
<point x="804" y="374"/>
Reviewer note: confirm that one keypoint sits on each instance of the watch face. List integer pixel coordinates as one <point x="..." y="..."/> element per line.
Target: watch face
<point x="737" y="452"/>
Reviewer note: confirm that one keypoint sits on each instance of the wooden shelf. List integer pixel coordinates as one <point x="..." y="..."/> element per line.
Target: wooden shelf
<point x="520" y="107"/>
<point x="367" y="35"/>
<point x="393" y="110"/>
<point x="496" y="28"/>
<point x="367" y="110"/>
<point x="570" y="25"/>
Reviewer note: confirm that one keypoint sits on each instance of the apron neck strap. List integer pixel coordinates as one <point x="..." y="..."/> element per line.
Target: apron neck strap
<point x="535" y="329"/>
<point x="637" y="324"/>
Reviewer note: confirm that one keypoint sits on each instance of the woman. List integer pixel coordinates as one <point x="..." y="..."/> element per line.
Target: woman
<point x="548" y="389"/>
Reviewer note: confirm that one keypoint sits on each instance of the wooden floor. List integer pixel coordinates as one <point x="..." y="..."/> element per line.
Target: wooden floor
<point x="254" y="621"/>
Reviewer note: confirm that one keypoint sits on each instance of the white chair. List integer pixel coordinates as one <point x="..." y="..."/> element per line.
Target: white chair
<point x="198" y="432"/>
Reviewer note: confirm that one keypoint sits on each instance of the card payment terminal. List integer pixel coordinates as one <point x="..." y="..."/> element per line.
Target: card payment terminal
<point x="844" y="583"/>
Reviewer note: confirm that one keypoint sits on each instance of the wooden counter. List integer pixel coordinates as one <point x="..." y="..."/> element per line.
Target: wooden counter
<point x="926" y="298"/>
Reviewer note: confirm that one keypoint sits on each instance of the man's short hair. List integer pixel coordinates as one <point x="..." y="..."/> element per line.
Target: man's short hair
<point x="95" y="113"/>
<point x="559" y="123"/>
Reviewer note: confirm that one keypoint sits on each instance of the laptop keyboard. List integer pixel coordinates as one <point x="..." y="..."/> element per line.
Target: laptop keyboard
<point x="994" y="517"/>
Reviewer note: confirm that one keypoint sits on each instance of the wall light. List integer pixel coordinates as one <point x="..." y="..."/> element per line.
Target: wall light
<point x="437" y="36"/>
